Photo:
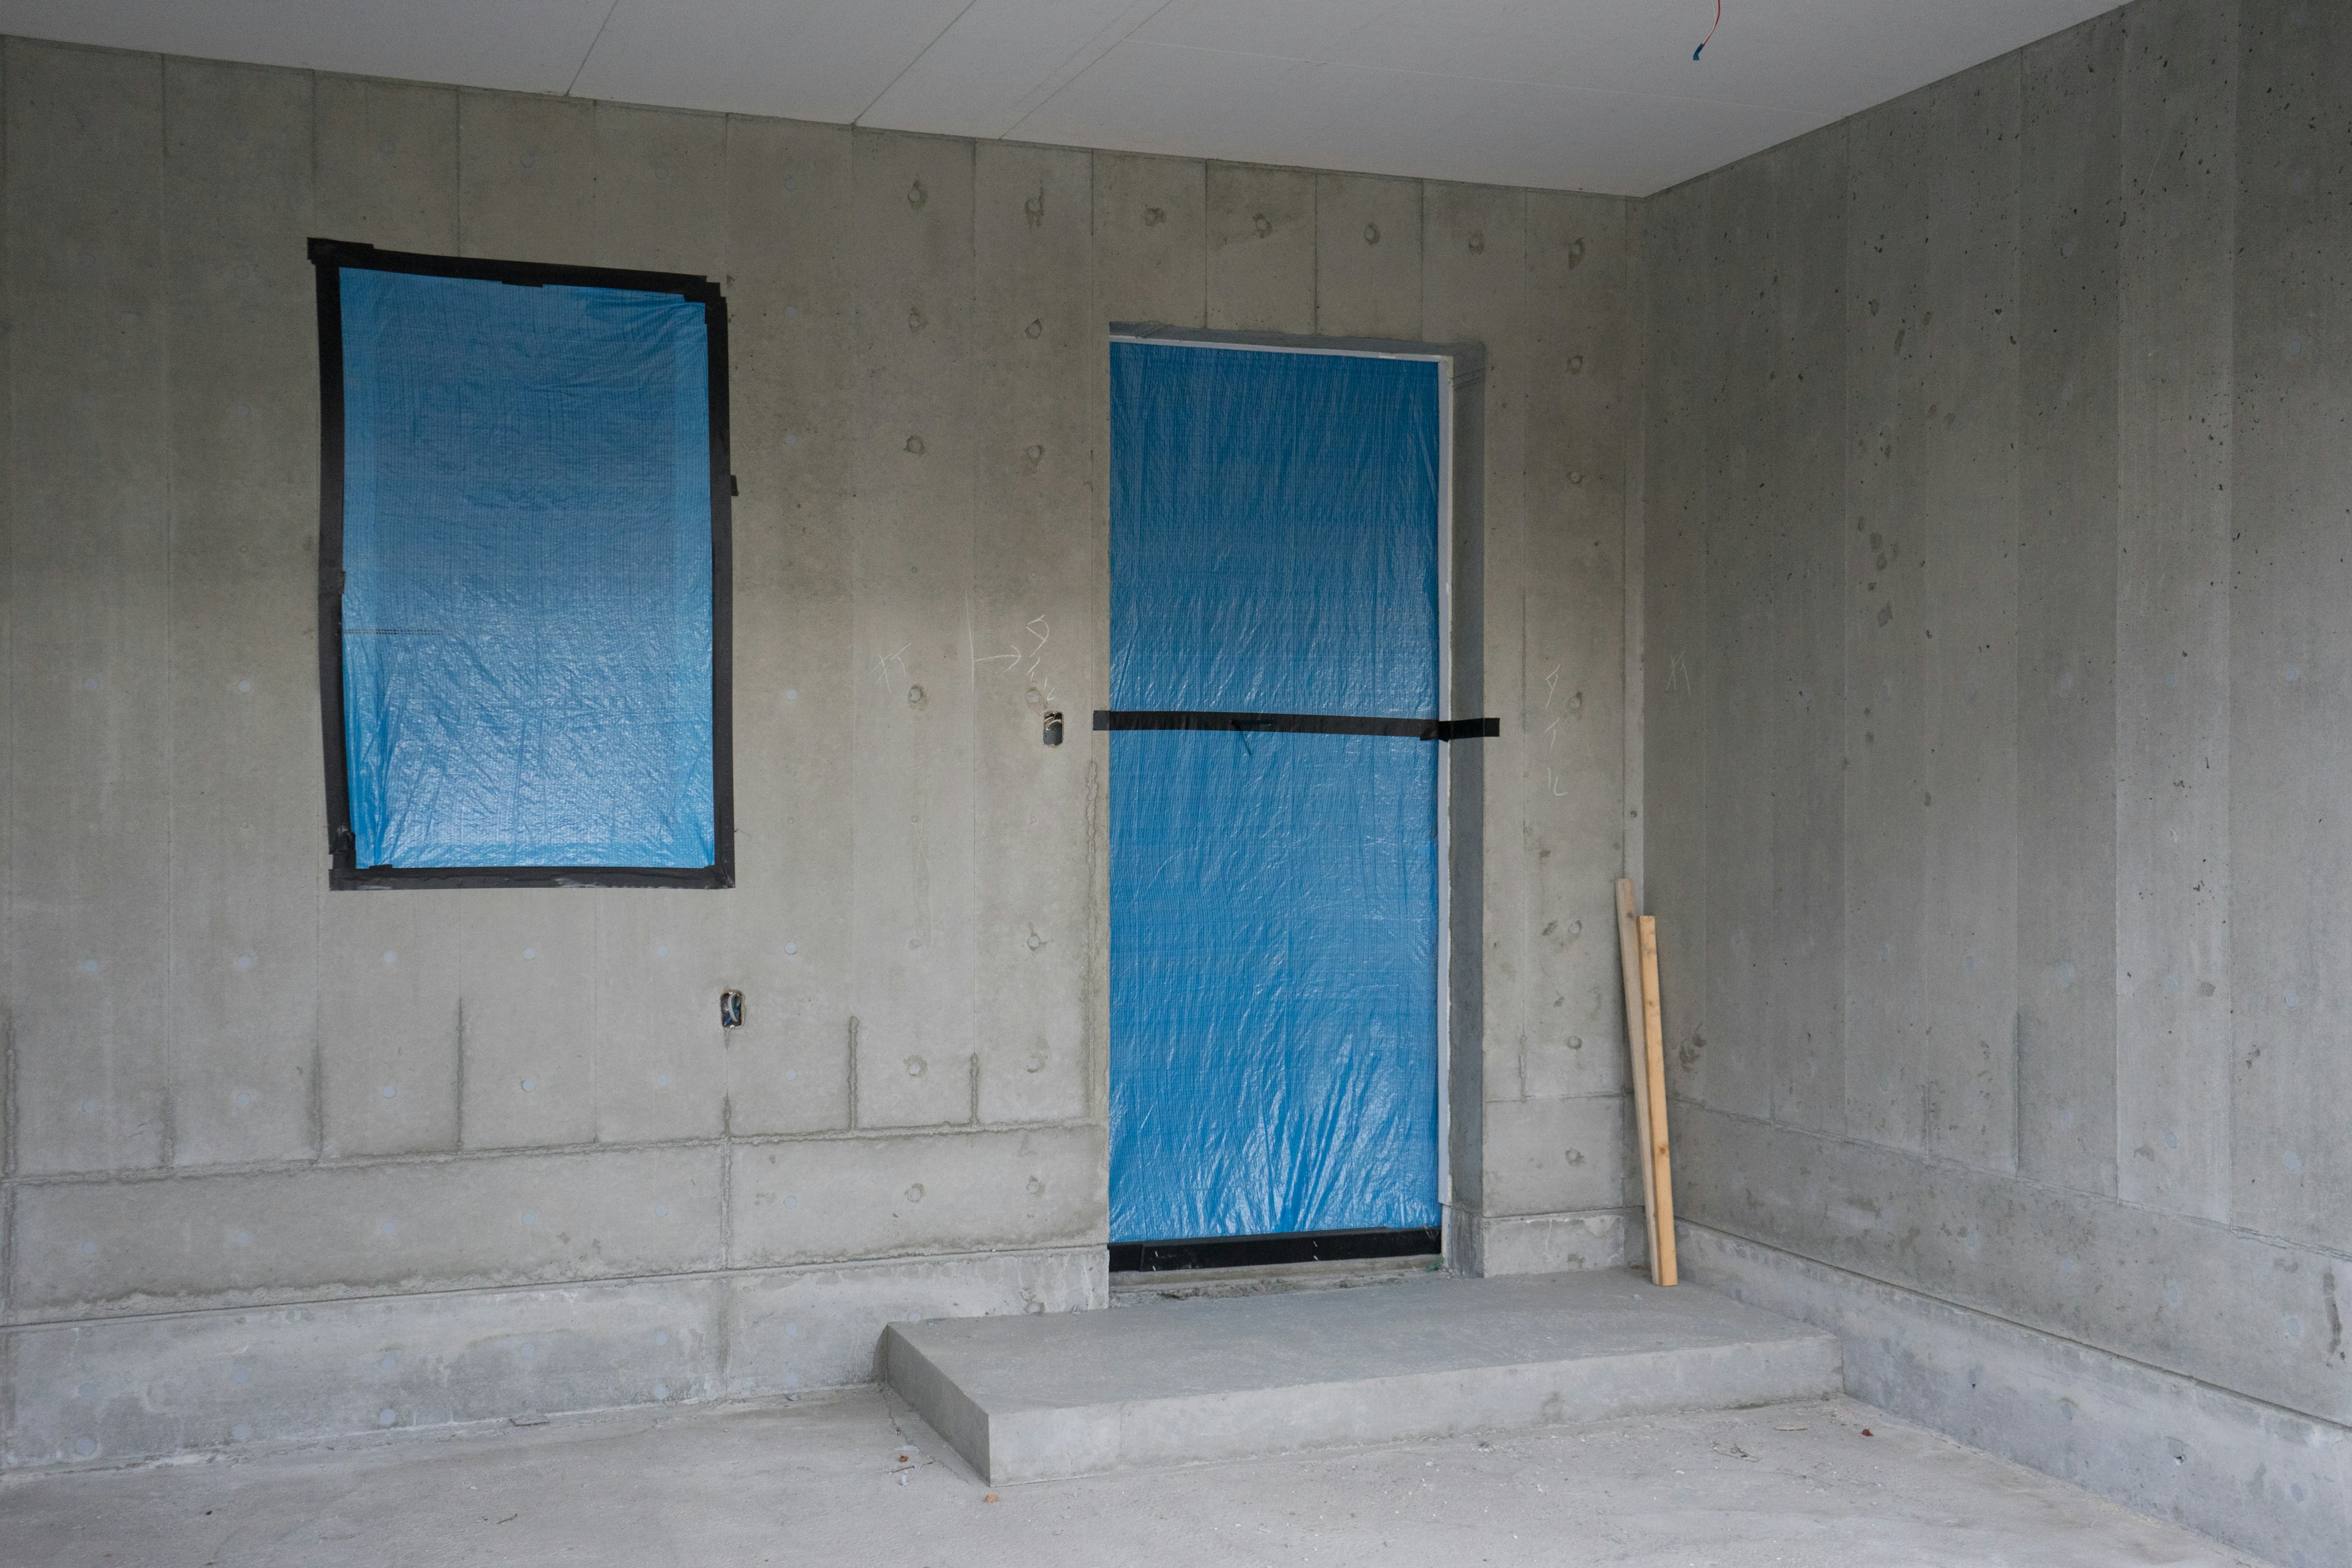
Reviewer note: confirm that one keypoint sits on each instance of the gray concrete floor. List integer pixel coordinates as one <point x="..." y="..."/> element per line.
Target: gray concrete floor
<point x="857" y="1479"/>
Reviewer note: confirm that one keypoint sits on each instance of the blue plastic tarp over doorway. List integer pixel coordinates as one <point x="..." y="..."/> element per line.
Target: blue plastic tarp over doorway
<point x="1275" y="538"/>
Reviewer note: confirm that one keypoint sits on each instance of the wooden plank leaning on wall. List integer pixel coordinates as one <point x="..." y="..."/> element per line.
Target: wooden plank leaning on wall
<point x="1637" y="943"/>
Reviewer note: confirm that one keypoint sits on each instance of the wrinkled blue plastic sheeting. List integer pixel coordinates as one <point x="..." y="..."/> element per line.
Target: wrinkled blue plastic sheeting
<point x="1274" y="897"/>
<point x="527" y="603"/>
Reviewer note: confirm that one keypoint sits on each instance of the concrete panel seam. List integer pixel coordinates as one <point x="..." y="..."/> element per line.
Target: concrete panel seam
<point x="2071" y="1194"/>
<point x="532" y="1151"/>
<point x="874" y="1260"/>
<point x="1870" y="1282"/>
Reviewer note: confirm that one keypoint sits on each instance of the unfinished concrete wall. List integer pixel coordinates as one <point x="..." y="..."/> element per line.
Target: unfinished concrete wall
<point x="1997" y="674"/>
<point x="281" y="1162"/>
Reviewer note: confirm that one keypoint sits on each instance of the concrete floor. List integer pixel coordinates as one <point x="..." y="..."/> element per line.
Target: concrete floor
<point x="857" y="1479"/>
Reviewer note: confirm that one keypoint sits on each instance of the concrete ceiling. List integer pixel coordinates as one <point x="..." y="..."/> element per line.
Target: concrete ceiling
<point x="1596" y="95"/>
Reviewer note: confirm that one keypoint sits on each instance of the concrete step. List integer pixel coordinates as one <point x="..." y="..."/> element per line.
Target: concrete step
<point x="1171" y="1383"/>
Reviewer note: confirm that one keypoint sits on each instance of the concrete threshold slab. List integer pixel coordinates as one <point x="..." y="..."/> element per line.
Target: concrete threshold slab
<point x="1043" y="1397"/>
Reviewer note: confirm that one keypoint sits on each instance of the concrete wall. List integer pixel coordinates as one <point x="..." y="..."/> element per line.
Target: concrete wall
<point x="1995" y="743"/>
<point x="281" y="1161"/>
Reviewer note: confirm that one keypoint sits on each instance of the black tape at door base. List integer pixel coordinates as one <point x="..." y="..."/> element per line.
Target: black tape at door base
<point x="1262" y="1251"/>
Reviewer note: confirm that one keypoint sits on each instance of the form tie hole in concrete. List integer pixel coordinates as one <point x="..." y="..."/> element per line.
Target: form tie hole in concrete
<point x="1576" y="364"/>
<point x="1371" y="234"/>
<point x="915" y="321"/>
<point x="2294" y="1000"/>
<point x="915" y="445"/>
<point x="390" y="1228"/>
<point x="528" y="1349"/>
<point x="2287" y="1157"/>
<point x="89" y="1249"/>
<point x="792" y="947"/>
<point x="792" y="694"/>
<point x="1477" y="242"/>
<point x="661" y="949"/>
<point x="244" y="960"/>
<point x="531" y="1086"/>
<point x="792" y="438"/>
<point x="528" y="953"/>
<point x="2292" y="673"/>
<point x="789" y="182"/>
<point x="1576" y="251"/>
<point x="1034" y="209"/>
<point x="86" y="1391"/>
<point x="389" y="1362"/>
<point x="530" y="1216"/>
<point x="1262" y="224"/>
<point x="1036" y="1188"/>
<point x="386" y="1416"/>
<point x="86" y="1446"/>
<point x="661" y="1211"/>
<point x="916" y="195"/>
<point x="661" y="1391"/>
<point x="1576" y="476"/>
<point x="791" y="1202"/>
<point x="791" y="1073"/>
<point x="390" y="1091"/>
<point x="661" y="1080"/>
<point x="1035" y="329"/>
<point x="792" y="1328"/>
<point x="90" y="966"/>
<point x="529" y="159"/>
<point x="915" y="1194"/>
<point x="90" y="1108"/>
<point x="390" y="956"/>
<point x="913" y="942"/>
<point x="242" y="1237"/>
<point x="916" y="1067"/>
<point x="792" y="312"/>
<point x="240" y="1431"/>
<point x="245" y="1100"/>
<point x="661" y="1337"/>
<point x="245" y="686"/>
<point x="1153" y="217"/>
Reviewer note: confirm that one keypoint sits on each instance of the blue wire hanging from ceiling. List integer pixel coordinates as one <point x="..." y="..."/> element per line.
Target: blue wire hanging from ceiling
<point x="1710" y="32"/>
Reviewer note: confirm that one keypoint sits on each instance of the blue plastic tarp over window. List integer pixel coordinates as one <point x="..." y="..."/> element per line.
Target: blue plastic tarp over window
<point x="527" y="550"/>
<point x="1274" y="536"/>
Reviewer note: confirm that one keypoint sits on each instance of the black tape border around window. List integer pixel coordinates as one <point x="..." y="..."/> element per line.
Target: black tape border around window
<point x="330" y="256"/>
<point x="1265" y="1251"/>
<point x="1296" y="724"/>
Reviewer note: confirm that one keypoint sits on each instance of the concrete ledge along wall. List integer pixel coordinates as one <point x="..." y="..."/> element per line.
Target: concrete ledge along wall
<point x="1997" y="707"/>
<point x="283" y="1162"/>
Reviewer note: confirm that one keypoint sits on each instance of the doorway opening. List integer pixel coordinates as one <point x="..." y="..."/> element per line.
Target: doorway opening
<point x="1281" y="551"/>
